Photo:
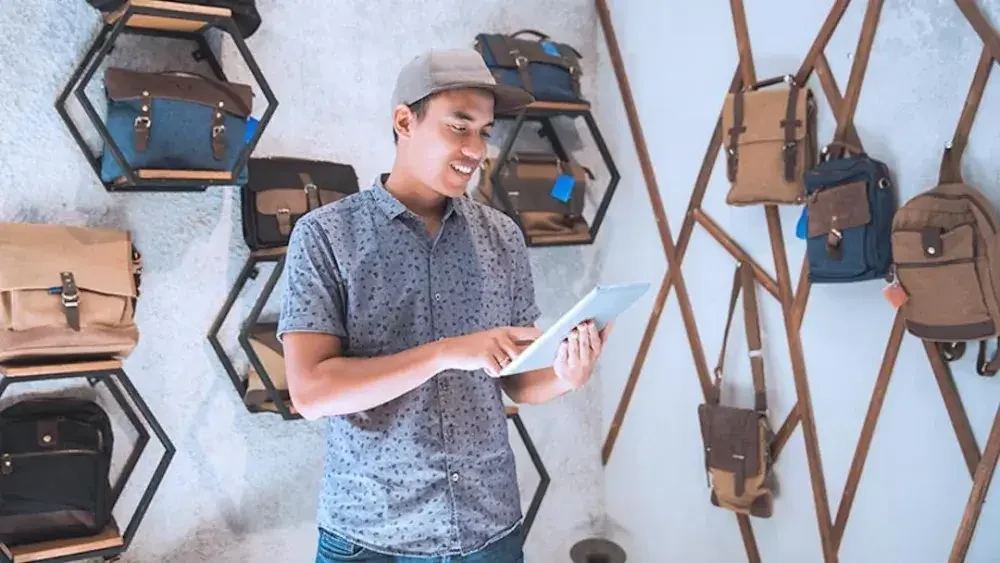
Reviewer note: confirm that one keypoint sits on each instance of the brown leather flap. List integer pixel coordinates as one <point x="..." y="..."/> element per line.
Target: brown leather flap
<point x="123" y="84"/>
<point x="505" y="49"/>
<point x="33" y="255"/>
<point x="733" y="436"/>
<point x="763" y="112"/>
<point x="840" y="208"/>
<point x="930" y="245"/>
<point x="269" y="202"/>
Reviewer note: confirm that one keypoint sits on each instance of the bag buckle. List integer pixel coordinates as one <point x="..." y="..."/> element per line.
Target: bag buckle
<point x="70" y="297"/>
<point x="284" y="221"/>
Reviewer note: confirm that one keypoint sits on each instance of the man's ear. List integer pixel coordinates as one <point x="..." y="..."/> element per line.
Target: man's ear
<point x="403" y="120"/>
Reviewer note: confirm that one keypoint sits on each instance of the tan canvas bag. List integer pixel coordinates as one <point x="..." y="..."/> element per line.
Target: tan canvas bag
<point x="66" y="292"/>
<point x="738" y="440"/>
<point x="769" y="135"/>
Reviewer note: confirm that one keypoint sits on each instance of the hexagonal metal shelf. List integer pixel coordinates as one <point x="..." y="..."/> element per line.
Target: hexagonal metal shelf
<point x="111" y="542"/>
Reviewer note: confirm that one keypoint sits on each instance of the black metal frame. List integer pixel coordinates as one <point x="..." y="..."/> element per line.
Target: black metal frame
<point x="102" y="46"/>
<point x="107" y="376"/>
<point x="543" y="474"/>
<point x="249" y="271"/>
<point x="543" y="116"/>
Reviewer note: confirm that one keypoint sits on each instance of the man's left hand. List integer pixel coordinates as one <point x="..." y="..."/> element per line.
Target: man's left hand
<point x="578" y="353"/>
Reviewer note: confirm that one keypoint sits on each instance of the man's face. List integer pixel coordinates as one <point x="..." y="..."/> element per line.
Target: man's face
<point x="449" y="143"/>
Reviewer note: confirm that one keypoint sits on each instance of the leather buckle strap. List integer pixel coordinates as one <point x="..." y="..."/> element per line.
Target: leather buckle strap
<point x="218" y="134"/>
<point x="312" y="192"/>
<point x="523" y="71"/>
<point x="142" y="124"/>
<point x="833" y="248"/>
<point x="284" y="221"/>
<point x="988" y="369"/>
<point x="753" y="335"/>
<point x="790" y="123"/>
<point x="732" y="154"/>
<point x="70" y="297"/>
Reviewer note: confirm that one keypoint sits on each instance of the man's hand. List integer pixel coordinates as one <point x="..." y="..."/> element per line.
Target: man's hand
<point x="578" y="353"/>
<point x="489" y="350"/>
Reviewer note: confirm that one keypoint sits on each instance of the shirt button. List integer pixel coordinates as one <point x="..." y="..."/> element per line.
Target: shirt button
<point x="437" y="296"/>
<point x="454" y="477"/>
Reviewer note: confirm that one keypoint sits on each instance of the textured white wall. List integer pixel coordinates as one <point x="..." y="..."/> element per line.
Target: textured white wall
<point x="243" y="487"/>
<point x="680" y="58"/>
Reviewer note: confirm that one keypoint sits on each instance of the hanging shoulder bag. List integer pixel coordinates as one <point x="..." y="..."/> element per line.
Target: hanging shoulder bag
<point x="737" y="440"/>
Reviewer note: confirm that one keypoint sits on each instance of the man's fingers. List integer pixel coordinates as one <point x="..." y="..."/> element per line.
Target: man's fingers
<point x="606" y="331"/>
<point x="595" y="340"/>
<point x="508" y="348"/>
<point x="583" y="336"/>
<point x="573" y="348"/>
<point x="524" y="333"/>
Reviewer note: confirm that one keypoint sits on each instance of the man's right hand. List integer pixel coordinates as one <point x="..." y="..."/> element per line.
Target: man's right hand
<point x="489" y="350"/>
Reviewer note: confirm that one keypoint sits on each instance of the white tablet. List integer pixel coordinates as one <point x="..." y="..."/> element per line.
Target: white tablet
<point x="603" y="304"/>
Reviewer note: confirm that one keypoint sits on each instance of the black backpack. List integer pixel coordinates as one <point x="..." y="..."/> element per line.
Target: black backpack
<point x="55" y="461"/>
<point x="245" y="13"/>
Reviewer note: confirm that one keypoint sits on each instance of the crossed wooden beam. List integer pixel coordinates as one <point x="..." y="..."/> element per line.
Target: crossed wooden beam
<point x="981" y="465"/>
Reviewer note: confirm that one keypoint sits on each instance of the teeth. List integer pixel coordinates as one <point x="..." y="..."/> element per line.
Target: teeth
<point x="463" y="169"/>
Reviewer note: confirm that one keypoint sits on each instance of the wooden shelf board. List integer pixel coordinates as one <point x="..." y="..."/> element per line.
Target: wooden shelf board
<point x="170" y="174"/>
<point x="28" y="370"/>
<point x="109" y="538"/>
<point x="166" y="23"/>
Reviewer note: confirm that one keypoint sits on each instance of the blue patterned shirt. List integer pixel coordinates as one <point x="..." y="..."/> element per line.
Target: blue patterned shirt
<point x="431" y="472"/>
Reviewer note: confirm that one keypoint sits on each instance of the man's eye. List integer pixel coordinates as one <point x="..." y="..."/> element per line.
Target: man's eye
<point x="459" y="128"/>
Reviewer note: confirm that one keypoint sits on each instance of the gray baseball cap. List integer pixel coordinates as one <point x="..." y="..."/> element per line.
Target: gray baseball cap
<point x="447" y="69"/>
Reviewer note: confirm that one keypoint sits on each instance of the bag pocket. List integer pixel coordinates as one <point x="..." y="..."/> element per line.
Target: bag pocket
<point x="839" y="217"/>
<point x="940" y="272"/>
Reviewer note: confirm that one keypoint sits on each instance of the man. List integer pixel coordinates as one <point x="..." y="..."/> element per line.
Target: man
<point x="401" y="305"/>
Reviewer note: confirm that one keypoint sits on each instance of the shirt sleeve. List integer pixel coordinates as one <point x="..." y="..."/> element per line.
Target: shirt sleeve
<point x="313" y="297"/>
<point x="525" y="309"/>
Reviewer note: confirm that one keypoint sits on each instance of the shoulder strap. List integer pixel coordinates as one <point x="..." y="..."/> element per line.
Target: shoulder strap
<point x="743" y="280"/>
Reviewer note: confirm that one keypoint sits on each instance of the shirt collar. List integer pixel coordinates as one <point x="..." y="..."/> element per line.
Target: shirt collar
<point x="393" y="207"/>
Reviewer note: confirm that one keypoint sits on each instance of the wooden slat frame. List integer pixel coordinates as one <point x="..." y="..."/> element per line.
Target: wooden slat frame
<point x="794" y="304"/>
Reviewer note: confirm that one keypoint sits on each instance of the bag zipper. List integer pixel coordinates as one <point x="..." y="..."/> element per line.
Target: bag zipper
<point x="6" y="460"/>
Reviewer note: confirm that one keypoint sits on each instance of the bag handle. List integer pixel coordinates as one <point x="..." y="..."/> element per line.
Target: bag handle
<point x="541" y="36"/>
<point x="743" y="280"/>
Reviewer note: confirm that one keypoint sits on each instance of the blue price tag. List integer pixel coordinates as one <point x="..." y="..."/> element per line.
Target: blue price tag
<point x="563" y="188"/>
<point x="251" y="129"/>
<point x="802" y="227"/>
<point x="550" y="48"/>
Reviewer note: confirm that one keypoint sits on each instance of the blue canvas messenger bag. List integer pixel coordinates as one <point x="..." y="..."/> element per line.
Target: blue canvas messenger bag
<point x="174" y="121"/>
<point x="849" y="211"/>
<point x="550" y="71"/>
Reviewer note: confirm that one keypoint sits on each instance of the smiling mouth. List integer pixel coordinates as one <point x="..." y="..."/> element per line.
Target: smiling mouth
<point x="464" y="169"/>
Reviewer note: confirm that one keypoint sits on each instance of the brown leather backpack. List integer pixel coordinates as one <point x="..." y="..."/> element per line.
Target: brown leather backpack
<point x="946" y="266"/>
<point x="769" y="136"/>
<point x="528" y="178"/>
<point x="66" y="292"/>
<point x="737" y="440"/>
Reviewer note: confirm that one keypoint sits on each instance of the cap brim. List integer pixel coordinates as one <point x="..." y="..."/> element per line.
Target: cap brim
<point x="510" y="98"/>
<point x="507" y="99"/>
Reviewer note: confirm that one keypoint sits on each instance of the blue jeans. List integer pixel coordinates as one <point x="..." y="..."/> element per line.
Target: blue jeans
<point x="336" y="549"/>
